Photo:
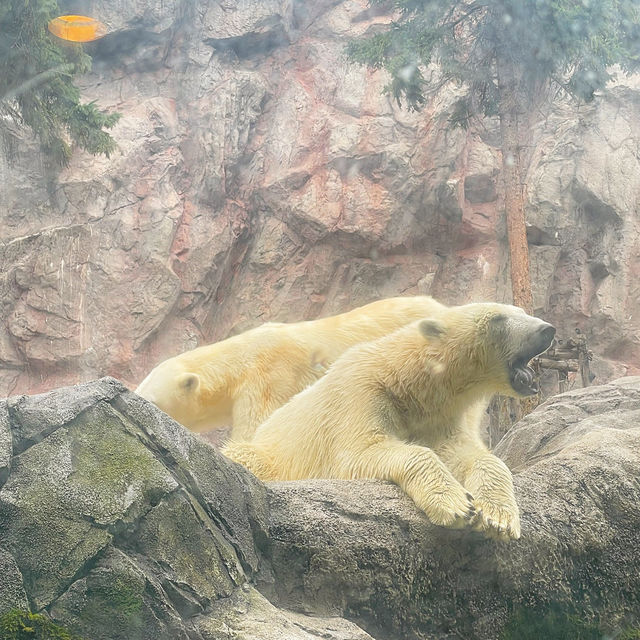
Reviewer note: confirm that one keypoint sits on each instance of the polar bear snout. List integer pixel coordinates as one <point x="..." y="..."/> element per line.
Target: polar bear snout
<point x="538" y="338"/>
<point x="546" y="332"/>
<point x="521" y="376"/>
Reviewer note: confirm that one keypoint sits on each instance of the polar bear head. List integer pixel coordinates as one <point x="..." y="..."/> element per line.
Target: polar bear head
<point x="186" y="396"/>
<point x="170" y="387"/>
<point x="494" y="342"/>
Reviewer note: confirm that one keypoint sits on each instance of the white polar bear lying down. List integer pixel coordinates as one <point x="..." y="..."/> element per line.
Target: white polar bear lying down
<point x="241" y="381"/>
<point x="406" y="408"/>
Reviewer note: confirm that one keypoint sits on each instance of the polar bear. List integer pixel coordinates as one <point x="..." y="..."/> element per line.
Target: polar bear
<point x="406" y="408"/>
<point x="242" y="380"/>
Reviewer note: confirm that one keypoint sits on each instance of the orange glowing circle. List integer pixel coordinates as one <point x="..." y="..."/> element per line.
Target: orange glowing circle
<point x="77" y="28"/>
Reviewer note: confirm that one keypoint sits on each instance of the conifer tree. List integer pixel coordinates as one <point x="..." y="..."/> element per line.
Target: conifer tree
<point x="36" y="83"/>
<point x="507" y="55"/>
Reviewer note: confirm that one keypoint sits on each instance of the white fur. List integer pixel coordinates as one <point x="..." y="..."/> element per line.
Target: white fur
<point x="407" y="407"/>
<point x="242" y="380"/>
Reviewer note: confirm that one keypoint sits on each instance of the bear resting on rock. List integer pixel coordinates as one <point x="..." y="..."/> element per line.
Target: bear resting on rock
<point x="242" y="380"/>
<point x="407" y="408"/>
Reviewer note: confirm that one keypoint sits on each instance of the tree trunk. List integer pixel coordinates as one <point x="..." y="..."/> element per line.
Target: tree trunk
<point x="509" y="109"/>
<point x="513" y="189"/>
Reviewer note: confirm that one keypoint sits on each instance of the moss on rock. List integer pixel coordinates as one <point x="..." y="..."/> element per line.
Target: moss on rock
<point x="553" y="623"/>
<point x="109" y="602"/>
<point x="23" y="625"/>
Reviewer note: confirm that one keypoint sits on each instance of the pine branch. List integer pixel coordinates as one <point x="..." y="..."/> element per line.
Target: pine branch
<point x="36" y="83"/>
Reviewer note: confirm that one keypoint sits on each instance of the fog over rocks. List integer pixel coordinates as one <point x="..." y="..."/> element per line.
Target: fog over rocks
<point x="260" y="176"/>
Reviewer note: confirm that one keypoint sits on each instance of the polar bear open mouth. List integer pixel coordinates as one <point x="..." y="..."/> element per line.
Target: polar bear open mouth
<point x="521" y="376"/>
<point x="523" y="379"/>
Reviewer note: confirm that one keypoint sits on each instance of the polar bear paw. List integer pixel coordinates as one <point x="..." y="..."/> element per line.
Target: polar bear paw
<point x="453" y="508"/>
<point x="497" y="521"/>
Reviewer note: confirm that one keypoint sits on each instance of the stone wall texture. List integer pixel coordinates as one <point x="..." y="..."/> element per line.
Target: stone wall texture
<point x="120" y="524"/>
<point x="261" y="176"/>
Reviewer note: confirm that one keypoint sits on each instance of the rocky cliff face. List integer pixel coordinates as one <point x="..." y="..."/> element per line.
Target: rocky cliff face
<point x="119" y="523"/>
<point x="261" y="176"/>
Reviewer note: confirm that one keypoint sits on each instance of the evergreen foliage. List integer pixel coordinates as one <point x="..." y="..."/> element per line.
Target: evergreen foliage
<point x="22" y="625"/>
<point x="572" y="43"/>
<point x="505" y="55"/>
<point x="36" y="83"/>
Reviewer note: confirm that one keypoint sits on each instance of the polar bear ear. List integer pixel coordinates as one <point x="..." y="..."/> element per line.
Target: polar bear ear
<point x="431" y="328"/>
<point x="189" y="382"/>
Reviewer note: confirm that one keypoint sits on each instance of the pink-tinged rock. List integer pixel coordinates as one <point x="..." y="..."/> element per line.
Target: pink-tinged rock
<point x="261" y="176"/>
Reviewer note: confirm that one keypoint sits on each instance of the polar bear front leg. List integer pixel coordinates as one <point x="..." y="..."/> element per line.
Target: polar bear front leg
<point x="423" y="476"/>
<point x="498" y="514"/>
<point x="490" y="482"/>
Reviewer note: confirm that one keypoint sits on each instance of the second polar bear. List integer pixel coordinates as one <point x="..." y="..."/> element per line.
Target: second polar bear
<point x="242" y="380"/>
<point x="407" y="408"/>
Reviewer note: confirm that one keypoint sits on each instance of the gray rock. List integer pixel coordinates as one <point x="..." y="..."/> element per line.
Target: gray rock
<point x="361" y="547"/>
<point x="6" y="444"/>
<point x="247" y="614"/>
<point x="563" y="421"/>
<point x="12" y="593"/>
<point x="234" y="499"/>
<point x="119" y="523"/>
<point x="69" y="494"/>
<point x="120" y="597"/>
<point x="33" y="419"/>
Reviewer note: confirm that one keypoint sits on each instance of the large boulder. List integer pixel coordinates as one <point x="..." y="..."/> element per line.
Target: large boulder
<point x="119" y="524"/>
